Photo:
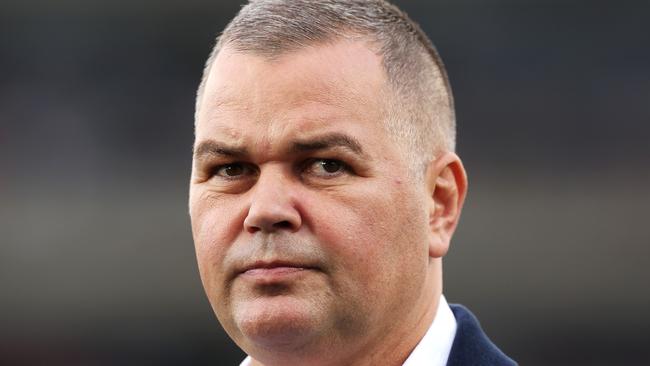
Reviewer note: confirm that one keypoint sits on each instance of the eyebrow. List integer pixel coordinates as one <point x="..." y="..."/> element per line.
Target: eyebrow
<point x="214" y="148"/>
<point x="327" y="142"/>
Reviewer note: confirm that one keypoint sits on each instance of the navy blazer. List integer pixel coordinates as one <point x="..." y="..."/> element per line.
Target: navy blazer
<point x="471" y="346"/>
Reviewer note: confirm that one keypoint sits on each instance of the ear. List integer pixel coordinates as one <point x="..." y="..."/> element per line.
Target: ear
<point x="447" y="186"/>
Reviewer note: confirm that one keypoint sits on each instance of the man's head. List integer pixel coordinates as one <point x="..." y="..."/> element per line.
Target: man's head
<point x="316" y="243"/>
<point x="420" y="110"/>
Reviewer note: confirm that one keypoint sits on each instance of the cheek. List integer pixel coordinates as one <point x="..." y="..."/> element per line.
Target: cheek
<point x="374" y="235"/>
<point x="214" y="226"/>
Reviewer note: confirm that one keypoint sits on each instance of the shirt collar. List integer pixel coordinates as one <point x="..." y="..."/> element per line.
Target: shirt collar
<point x="433" y="349"/>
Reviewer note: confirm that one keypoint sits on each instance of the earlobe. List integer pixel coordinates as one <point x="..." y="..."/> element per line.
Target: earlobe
<point x="447" y="186"/>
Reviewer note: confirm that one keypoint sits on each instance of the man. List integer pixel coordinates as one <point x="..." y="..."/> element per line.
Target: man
<point x="325" y="189"/>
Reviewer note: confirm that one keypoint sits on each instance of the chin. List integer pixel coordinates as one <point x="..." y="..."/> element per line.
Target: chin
<point x="277" y="322"/>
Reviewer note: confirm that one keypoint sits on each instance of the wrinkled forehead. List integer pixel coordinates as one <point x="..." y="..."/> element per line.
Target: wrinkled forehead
<point x="346" y="75"/>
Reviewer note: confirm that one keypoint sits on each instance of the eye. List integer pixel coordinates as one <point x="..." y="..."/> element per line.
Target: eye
<point x="326" y="168"/>
<point x="331" y="166"/>
<point x="233" y="171"/>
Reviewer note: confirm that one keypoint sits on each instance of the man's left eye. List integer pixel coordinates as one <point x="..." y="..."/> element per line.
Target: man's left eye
<point x="326" y="167"/>
<point x="331" y="166"/>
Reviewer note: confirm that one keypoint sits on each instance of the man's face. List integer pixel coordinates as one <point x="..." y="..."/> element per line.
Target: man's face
<point x="309" y="229"/>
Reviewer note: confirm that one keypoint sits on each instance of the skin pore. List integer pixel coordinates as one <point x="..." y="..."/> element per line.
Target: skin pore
<point x="311" y="234"/>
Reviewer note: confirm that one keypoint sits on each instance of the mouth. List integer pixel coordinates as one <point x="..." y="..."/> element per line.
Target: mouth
<point x="274" y="271"/>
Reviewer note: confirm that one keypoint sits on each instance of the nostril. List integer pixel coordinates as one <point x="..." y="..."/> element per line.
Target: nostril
<point x="283" y="225"/>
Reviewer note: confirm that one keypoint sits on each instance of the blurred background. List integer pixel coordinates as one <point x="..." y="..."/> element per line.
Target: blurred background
<point x="96" y="110"/>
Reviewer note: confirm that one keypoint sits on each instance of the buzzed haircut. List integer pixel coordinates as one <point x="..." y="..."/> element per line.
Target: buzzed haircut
<point x="420" y="112"/>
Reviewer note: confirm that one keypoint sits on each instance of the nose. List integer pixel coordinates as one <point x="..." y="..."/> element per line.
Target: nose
<point x="273" y="205"/>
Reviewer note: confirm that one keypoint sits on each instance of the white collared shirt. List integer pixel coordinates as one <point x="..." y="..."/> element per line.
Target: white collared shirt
<point x="433" y="349"/>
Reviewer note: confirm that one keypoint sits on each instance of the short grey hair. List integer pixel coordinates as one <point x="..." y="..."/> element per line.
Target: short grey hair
<point x="421" y="113"/>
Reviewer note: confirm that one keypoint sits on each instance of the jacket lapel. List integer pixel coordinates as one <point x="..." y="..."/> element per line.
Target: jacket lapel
<point x="471" y="346"/>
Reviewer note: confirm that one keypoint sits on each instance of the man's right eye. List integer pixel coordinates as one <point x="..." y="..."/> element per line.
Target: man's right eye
<point x="233" y="170"/>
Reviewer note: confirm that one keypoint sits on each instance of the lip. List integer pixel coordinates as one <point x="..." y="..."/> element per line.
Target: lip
<point x="274" y="270"/>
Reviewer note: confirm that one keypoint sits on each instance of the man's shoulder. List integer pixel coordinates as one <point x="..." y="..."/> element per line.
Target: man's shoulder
<point x="471" y="346"/>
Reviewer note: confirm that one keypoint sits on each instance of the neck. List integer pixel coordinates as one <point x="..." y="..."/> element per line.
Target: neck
<point x="389" y="346"/>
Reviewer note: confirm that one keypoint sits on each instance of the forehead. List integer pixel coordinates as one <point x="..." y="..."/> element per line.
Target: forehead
<point x="310" y="87"/>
